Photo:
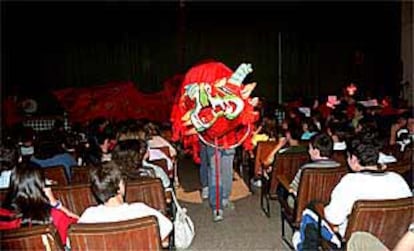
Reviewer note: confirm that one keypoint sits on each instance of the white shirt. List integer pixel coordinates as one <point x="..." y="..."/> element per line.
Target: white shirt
<point x="363" y="186"/>
<point x="102" y="213"/>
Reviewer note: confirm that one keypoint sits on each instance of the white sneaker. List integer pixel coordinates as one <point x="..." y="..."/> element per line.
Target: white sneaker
<point x="218" y="216"/>
<point x="256" y="183"/>
<point x="204" y="193"/>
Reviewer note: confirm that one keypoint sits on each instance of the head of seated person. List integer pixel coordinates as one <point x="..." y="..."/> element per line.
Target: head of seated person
<point x="108" y="184"/>
<point x="293" y="134"/>
<point x="308" y="129"/>
<point x="269" y="127"/>
<point x="129" y="154"/>
<point x="320" y="147"/>
<point x="8" y="160"/>
<point x="105" y="143"/>
<point x="70" y="143"/>
<point x="8" y="157"/>
<point x="151" y="129"/>
<point x="363" y="153"/>
<point x="26" y="194"/>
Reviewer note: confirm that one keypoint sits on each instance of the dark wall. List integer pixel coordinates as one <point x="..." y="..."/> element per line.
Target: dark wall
<point x="55" y="45"/>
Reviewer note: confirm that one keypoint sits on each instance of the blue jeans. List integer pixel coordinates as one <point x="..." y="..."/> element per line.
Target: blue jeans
<point x="203" y="165"/>
<point x="225" y="158"/>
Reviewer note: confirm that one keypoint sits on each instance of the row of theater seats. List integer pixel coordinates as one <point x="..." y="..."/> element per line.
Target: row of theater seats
<point x="387" y="219"/>
<point x="136" y="234"/>
<point x="127" y="235"/>
<point x="76" y="195"/>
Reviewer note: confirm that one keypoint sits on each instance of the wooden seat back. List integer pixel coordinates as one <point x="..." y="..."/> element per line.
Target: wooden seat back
<point x="56" y="173"/>
<point x="42" y="237"/>
<point x="316" y="184"/>
<point x="137" y="234"/>
<point x="404" y="168"/>
<point x="79" y="197"/>
<point x="287" y="164"/>
<point x="388" y="220"/>
<point x="401" y="167"/>
<point x="75" y="197"/>
<point x="80" y="175"/>
<point x="263" y="149"/>
<point x="340" y="157"/>
<point x="147" y="190"/>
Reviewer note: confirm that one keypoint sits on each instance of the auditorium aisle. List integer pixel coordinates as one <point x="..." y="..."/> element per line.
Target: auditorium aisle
<point x="244" y="228"/>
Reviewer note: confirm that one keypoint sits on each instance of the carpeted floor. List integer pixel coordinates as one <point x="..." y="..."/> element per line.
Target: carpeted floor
<point x="244" y="228"/>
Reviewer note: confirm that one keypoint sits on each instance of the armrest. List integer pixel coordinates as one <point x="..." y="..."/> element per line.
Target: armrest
<point x="283" y="180"/>
<point x="320" y="209"/>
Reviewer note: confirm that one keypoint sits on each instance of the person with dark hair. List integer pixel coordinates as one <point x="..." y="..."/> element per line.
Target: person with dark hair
<point x="368" y="181"/>
<point x="402" y="132"/>
<point x="320" y="152"/>
<point x="131" y="156"/>
<point x="108" y="185"/>
<point x="26" y="147"/>
<point x="34" y="202"/>
<point x="308" y="129"/>
<point x="291" y="139"/>
<point x="99" y="148"/>
<point x="336" y="130"/>
<point x="8" y="159"/>
<point x="359" y="113"/>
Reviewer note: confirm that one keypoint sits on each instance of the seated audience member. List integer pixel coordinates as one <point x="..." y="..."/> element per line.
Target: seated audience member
<point x="131" y="156"/>
<point x="368" y="126"/>
<point x="49" y="154"/>
<point x="320" y="152"/>
<point x="402" y="131"/>
<point x="335" y="130"/>
<point x="405" y="136"/>
<point x="34" y="201"/>
<point x="26" y="144"/>
<point x="308" y="129"/>
<point x="291" y="139"/>
<point x="156" y="141"/>
<point x="367" y="182"/>
<point x="359" y="114"/>
<point x="265" y="132"/>
<point x="109" y="187"/>
<point x="8" y="159"/>
<point x="99" y="148"/>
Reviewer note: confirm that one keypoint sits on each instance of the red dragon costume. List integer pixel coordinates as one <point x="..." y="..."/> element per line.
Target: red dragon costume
<point x="214" y="106"/>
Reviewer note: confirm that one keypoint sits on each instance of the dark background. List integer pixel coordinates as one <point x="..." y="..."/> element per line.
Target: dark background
<point x="47" y="46"/>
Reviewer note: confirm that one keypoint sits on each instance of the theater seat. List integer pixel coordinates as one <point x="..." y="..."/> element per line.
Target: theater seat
<point x="43" y="237"/>
<point x="388" y="220"/>
<point x="316" y="184"/>
<point x="57" y="174"/>
<point x="136" y="234"/>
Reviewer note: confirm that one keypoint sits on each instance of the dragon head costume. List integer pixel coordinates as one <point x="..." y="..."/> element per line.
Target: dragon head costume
<point x="213" y="105"/>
